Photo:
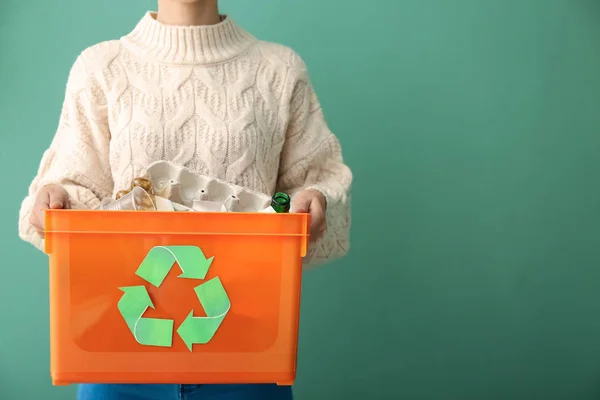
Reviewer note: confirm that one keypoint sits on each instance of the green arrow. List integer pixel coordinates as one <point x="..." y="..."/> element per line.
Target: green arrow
<point x="154" y="332"/>
<point x="133" y="304"/>
<point x="147" y="331"/>
<point x="214" y="299"/>
<point x="160" y="259"/>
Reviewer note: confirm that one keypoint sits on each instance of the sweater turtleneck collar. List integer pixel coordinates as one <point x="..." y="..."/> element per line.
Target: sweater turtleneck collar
<point x="188" y="45"/>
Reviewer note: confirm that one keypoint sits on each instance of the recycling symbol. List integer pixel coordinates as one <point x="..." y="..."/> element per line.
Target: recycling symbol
<point x="154" y="269"/>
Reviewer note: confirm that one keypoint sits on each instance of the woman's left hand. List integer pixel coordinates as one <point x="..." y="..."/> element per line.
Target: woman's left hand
<point x="313" y="202"/>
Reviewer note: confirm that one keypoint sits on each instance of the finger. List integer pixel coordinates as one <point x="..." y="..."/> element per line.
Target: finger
<point x="317" y="213"/>
<point x="42" y="203"/>
<point x="301" y="204"/>
<point x="317" y="209"/>
<point x="317" y="225"/>
<point x="316" y="222"/>
<point x="37" y="218"/>
<point x="33" y="221"/>
<point x="56" y="199"/>
<point x="319" y="231"/>
<point x="35" y="224"/>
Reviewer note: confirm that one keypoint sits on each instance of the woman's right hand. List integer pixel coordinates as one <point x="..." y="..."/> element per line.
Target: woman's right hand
<point x="49" y="197"/>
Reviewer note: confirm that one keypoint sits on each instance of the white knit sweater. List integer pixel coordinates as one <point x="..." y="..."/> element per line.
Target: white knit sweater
<point x="211" y="98"/>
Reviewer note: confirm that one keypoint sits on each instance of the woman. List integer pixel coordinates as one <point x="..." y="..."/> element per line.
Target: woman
<point x="189" y="86"/>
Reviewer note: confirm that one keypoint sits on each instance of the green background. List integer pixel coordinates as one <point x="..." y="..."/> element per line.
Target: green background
<point x="473" y="129"/>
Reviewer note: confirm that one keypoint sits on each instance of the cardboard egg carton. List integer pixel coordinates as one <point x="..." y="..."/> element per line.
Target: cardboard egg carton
<point x="200" y="192"/>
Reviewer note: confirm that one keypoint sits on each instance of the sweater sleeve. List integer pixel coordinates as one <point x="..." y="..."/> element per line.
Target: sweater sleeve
<point x="312" y="159"/>
<point x="77" y="158"/>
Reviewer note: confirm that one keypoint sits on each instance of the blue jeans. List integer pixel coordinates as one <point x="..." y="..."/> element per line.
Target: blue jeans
<point x="184" y="392"/>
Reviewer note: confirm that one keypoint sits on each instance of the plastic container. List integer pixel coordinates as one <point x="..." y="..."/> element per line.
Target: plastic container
<point x="94" y="257"/>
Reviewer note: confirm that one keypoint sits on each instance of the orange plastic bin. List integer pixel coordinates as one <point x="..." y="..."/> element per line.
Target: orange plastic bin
<point x="174" y="297"/>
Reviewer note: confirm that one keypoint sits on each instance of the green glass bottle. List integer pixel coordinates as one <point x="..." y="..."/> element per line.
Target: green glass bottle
<point x="281" y="203"/>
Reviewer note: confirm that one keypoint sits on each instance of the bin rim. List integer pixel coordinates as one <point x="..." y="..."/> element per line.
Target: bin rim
<point x="160" y="223"/>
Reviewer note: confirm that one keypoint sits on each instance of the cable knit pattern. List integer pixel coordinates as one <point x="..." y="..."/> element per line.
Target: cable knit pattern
<point x="211" y="98"/>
